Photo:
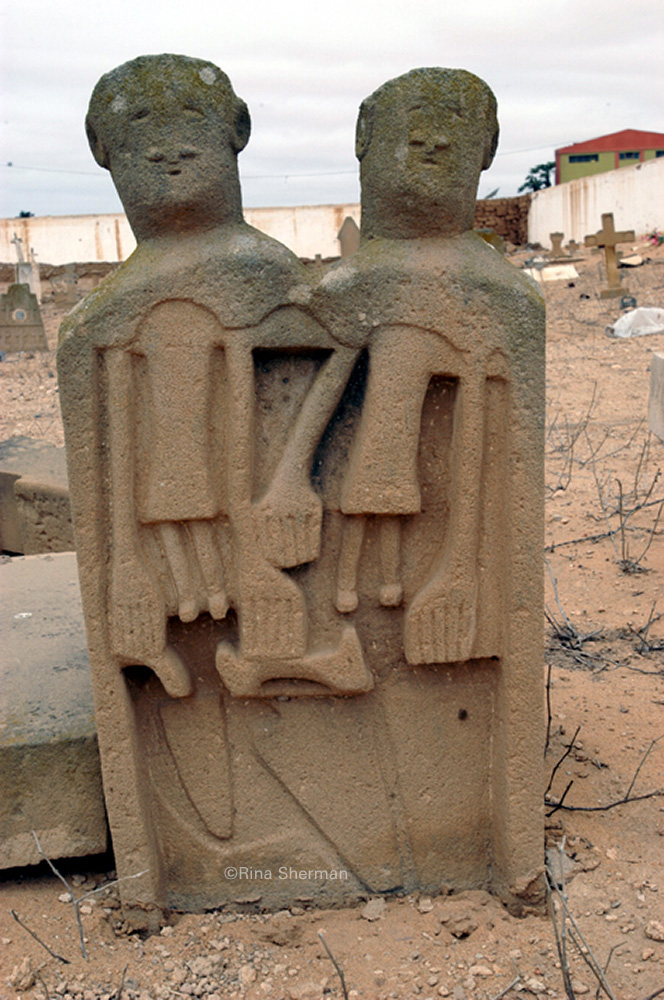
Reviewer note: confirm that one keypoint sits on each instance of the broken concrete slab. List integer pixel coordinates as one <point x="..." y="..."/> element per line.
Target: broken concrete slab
<point x="50" y="777"/>
<point x="34" y="498"/>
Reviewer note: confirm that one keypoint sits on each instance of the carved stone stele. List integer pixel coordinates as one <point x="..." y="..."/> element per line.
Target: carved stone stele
<point x="308" y="514"/>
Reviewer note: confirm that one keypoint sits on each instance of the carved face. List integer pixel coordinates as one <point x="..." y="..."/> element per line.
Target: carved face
<point x="171" y="154"/>
<point x="429" y="140"/>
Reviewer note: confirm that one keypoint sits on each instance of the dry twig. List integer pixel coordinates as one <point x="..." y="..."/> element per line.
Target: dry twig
<point x="77" y="900"/>
<point x="627" y="797"/>
<point x="336" y="965"/>
<point x="32" y="934"/>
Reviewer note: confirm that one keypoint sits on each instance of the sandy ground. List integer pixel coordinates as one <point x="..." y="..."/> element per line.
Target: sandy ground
<point x="604" y="644"/>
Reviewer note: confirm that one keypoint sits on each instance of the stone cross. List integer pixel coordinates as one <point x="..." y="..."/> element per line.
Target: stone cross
<point x="349" y="237"/>
<point x="556" y="251"/>
<point x="607" y="239"/>
<point x="18" y="243"/>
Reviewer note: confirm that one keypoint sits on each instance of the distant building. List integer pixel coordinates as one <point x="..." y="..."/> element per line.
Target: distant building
<point x="607" y="152"/>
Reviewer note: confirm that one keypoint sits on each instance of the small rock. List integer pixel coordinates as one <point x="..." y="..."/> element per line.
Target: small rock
<point x="535" y="986"/>
<point x="22" y="977"/>
<point x="578" y="987"/>
<point x="374" y="909"/>
<point x="64" y="897"/>
<point x="166" y="931"/>
<point x="247" y="975"/>
<point x="425" y="904"/>
<point x="443" y="991"/>
<point x="647" y="953"/>
<point x="655" y="930"/>
<point x="480" y="970"/>
<point x="86" y="910"/>
<point x="461" y="927"/>
<point x="304" y="991"/>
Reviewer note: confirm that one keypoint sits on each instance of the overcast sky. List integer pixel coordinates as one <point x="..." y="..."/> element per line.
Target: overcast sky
<point x="562" y="71"/>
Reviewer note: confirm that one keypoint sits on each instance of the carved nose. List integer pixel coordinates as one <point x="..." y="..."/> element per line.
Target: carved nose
<point x="436" y="143"/>
<point x="155" y="155"/>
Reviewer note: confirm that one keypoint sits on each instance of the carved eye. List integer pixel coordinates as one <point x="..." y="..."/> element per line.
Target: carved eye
<point x="416" y="142"/>
<point x="193" y="112"/>
<point x="138" y="115"/>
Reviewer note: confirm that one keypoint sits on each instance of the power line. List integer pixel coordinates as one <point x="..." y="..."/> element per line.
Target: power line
<point x="257" y="177"/>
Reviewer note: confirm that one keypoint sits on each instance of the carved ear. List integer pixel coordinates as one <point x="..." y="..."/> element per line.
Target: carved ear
<point x="98" y="150"/>
<point x="242" y="126"/>
<point x="490" y="148"/>
<point x="363" y="130"/>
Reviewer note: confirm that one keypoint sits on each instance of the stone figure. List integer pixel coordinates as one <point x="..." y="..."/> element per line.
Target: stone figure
<point x="307" y="512"/>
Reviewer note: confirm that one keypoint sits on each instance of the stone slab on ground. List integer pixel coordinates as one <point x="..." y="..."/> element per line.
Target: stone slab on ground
<point x="34" y="498"/>
<point x="50" y="777"/>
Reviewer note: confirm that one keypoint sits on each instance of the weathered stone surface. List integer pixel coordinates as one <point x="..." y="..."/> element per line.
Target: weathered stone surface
<point x="308" y="508"/>
<point x="656" y="397"/>
<point x="21" y="326"/>
<point x="50" y="777"/>
<point x="35" y="514"/>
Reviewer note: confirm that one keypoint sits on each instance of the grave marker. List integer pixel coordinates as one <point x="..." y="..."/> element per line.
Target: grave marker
<point x="21" y="326"/>
<point x="349" y="237"/>
<point x="607" y="239"/>
<point x="374" y="718"/>
<point x="64" y="287"/>
<point x="556" y="252"/>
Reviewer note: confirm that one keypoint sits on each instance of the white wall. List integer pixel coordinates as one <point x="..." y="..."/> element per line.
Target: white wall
<point x="635" y="195"/>
<point x="307" y="229"/>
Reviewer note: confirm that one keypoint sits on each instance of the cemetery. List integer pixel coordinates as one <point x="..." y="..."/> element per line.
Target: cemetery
<point x="320" y="718"/>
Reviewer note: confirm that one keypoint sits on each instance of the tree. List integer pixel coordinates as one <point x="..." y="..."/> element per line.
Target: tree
<point x="25" y="215"/>
<point x="538" y="177"/>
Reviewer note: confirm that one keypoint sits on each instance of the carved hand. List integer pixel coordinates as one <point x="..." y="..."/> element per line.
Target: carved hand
<point x="137" y="623"/>
<point x="272" y="614"/>
<point x="440" y="623"/>
<point x="288" y="522"/>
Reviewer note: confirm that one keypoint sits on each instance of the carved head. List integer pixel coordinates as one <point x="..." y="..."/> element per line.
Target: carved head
<point x="422" y="141"/>
<point x="169" y="129"/>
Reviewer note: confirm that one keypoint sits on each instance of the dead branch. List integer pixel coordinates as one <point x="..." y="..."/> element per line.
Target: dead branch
<point x="510" y="986"/>
<point x="575" y="933"/>
<point x="548" y="709"/>
<point x="336" y="965"/>
<point x="69" y="889"/>
<point x="568" y="751"/>
<point x="627" y="797"/>
<point x="25" y="927"/>
<point x="120" y="988"/>
<point x="77" y="900"/>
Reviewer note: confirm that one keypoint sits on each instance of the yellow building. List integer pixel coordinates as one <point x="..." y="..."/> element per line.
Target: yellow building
<point x="607" y="152"/>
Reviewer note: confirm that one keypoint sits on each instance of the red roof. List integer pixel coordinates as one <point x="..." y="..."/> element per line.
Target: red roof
<point x="629" y="138"/>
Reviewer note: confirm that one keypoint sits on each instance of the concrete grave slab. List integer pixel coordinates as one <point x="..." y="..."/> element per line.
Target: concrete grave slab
<point x="552" y="272"/>
<point x="21" y="326"/>
<point x="34" y="497"/>
<point x="50" y="778"/>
